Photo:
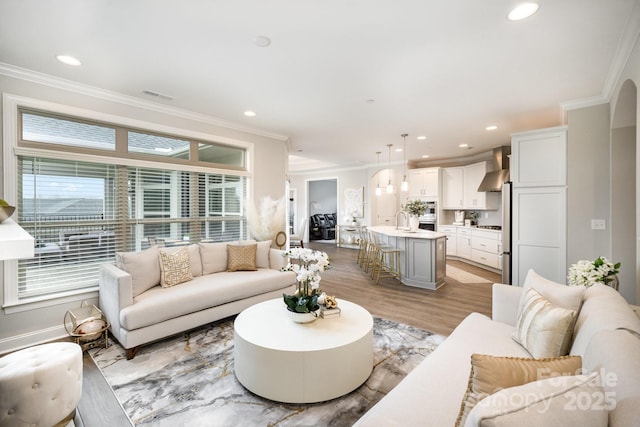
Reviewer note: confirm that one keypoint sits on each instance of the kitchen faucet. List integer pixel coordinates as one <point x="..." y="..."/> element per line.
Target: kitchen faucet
<point x="406" y="218"/>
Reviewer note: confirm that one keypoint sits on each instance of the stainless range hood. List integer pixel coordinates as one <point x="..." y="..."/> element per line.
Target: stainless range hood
<point x="493" y="181"/>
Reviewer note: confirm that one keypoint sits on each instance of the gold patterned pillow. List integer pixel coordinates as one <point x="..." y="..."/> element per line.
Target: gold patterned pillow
<point x="490" y="374"/>
<point x="241" y="257"/>
<point x="175" y="268"/>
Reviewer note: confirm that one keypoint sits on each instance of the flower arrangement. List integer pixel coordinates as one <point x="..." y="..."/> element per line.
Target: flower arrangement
<point x="415" y="207"/>
<point x="307" y="264"/>
<point x="587" y="273"/>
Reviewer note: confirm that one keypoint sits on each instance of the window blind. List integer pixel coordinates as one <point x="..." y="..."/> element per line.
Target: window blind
<point x="82" y="213"/>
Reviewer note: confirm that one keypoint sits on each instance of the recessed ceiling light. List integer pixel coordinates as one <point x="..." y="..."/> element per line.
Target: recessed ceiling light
<point x="261" y="41"/>
<point x="421" y="137"/>
<point x="522" y="11"/>
<point x="492" y="127"/>
<point x="463" y="145"/>
<point x="69" y="60"/>
<point x="425" y="156"/>
<point x="250" y="113"/>
<point x="398" y="150"/>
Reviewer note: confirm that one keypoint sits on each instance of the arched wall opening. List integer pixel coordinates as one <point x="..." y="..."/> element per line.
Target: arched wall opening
<point x="624" y="178"/>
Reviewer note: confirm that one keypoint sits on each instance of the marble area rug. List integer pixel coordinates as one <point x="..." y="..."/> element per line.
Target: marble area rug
<point x="188" y="380"/>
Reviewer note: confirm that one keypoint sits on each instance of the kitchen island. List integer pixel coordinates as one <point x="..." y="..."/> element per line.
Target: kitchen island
<point x="422" y="255"/>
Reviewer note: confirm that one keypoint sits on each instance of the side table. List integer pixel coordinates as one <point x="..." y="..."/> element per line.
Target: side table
<point x="87" y="325"/>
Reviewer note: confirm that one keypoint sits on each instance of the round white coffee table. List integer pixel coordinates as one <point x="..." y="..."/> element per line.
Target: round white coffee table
<point x="285" y="361"/>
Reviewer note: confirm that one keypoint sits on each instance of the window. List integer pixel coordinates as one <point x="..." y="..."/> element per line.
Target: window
<point x="83" y="208"/>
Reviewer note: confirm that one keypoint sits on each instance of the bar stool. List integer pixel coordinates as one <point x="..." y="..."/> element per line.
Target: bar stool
<point x="386" y="263"/>
<point x="363" y="242"/>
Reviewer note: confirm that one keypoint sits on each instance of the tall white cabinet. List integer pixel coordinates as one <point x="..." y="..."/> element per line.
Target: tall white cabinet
<point x="539" y="204"/>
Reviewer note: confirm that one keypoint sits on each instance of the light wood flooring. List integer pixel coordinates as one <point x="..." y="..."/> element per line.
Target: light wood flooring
<point x="436" y="311"/>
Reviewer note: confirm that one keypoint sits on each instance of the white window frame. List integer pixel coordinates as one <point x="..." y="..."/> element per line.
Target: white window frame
<point x="11" y="105"/>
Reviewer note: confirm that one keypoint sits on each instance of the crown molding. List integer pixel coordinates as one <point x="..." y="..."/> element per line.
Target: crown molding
<point x="623" y="52"/>
<point x="95" y="92"/>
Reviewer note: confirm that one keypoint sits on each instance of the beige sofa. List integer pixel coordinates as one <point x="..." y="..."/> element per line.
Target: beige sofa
<point x="605" y="335"/>
<point x="140" y="310"/>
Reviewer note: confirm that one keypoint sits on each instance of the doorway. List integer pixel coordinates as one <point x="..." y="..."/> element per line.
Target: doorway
<point x="624" y="215"/>
<point x="322" y="208"/>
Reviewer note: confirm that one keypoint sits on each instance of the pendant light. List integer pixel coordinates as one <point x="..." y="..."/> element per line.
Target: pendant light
<point x="389" y="185"/>
<point x="378" y="189"/>
<point x="405" y="183"/>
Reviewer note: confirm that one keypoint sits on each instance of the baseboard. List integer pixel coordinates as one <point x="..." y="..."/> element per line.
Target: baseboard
<point x="17" y="342"/>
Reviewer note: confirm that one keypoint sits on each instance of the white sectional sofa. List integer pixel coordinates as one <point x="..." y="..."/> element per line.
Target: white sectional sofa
<point x="606" y="335"/>
<point x="140" y="310"/>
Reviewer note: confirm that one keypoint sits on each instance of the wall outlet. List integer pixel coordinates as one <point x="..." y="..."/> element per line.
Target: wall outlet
<point x="598" y="224"/>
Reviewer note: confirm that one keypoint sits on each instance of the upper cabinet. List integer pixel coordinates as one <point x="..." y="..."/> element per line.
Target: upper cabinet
<point x="453" y="188"/>
<point x="424" y="183"/>
<point x="474" y="199"/>
<point x="460" y="188"/>
<point x="539" y="158"/>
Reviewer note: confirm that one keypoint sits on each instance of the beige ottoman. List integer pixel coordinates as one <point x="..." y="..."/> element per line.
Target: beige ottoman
<point x="40" y="385"/>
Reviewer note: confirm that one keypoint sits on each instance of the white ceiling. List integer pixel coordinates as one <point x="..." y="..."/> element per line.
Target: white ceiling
<point x="444" y="69"/>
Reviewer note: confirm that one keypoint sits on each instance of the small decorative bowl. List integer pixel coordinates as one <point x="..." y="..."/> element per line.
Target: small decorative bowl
<point x="6" y="212"/>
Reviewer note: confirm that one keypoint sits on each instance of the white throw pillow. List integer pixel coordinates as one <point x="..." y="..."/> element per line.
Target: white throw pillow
<point x="569" y="297"/>
<point x="578" y="400"/>
<point x="542" y="328"/>
<point x="143" y="267"/>
<point x="214" y="257"/>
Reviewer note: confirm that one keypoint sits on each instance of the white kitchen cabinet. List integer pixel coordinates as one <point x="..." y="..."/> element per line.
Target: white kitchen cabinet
<point x="474" y="199"/>
<point x="463" y="242"/>
<point x="424" y="183"/>
<point x="452" y="239"/>
<point x="539" y="158"/>
<point x="486" y="248"/>
<point x="539" y="233"/>
<point x="452" y="188"/>
<point x="460" y="188"/>
<point x="539" y="204"/>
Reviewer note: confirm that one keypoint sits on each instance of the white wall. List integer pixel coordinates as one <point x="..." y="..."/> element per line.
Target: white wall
<point x="29" y="327"/>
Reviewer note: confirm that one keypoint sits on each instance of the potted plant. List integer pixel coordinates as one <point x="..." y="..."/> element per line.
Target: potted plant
<point x="307" y="264"/>
<point x="414" y="208"/>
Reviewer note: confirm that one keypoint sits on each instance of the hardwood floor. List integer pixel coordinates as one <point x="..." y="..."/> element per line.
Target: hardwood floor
<point x="436" y="311"/>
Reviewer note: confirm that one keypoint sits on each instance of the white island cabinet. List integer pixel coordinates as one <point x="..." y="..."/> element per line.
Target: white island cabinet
<point x="422" y="255"/>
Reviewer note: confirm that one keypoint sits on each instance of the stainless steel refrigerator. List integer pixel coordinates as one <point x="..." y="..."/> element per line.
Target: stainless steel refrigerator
<point x="506" y="231"/>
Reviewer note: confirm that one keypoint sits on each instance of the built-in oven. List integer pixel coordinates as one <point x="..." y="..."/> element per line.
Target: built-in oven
<point x="429" y="219"/>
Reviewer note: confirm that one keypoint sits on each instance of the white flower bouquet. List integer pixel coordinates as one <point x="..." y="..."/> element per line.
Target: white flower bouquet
<point x="307" y="264"/>
<point x="587" y="273"/>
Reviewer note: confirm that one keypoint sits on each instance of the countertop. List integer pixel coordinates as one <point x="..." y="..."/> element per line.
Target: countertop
<point x="391" y="231"/>
<point x="470" y="227"/>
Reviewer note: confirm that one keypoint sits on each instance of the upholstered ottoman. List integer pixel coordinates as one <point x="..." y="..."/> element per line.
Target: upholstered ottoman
<point x="40" y="385"/>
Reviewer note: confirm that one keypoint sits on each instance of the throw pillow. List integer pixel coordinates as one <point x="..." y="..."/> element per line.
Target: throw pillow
<point x="194" y="257"/>
<point x="262" y="252"/>
<point x="214" y="257"/>
<point x="241" y="257"/>
<point x="569" y="297"/>
<point x="143" y="268"/>
<point x="490" y="374"/>
<point x="578" y="400"/>
<point x="542" y="328"/>
<point x="175" y="268"/>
